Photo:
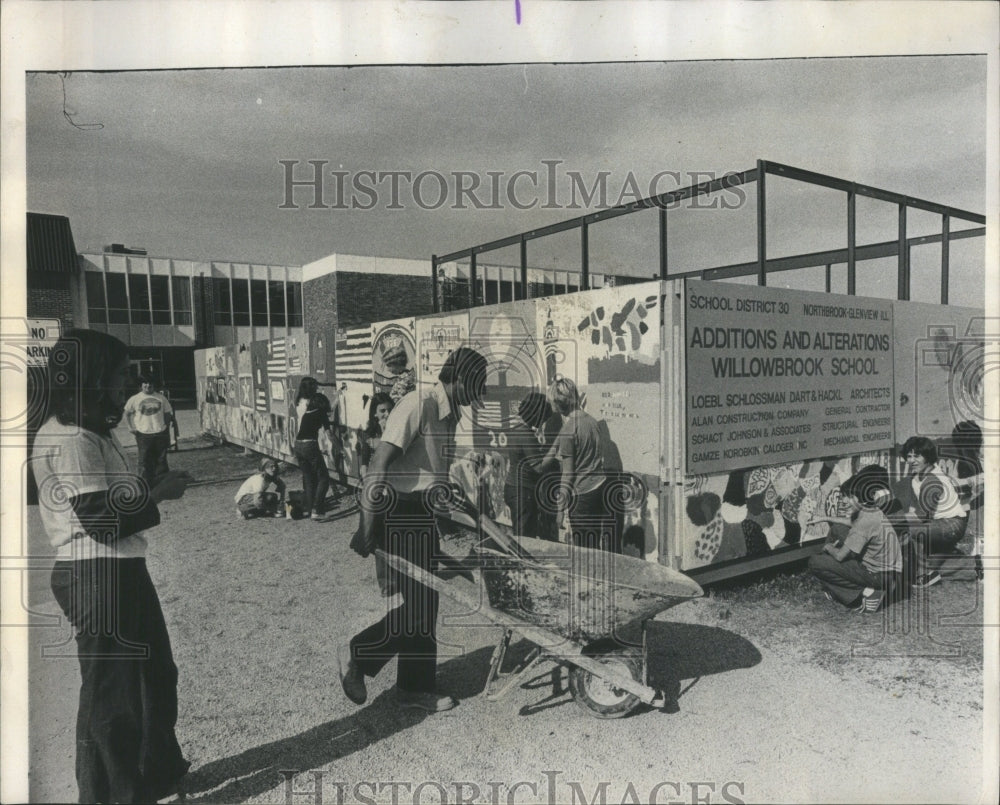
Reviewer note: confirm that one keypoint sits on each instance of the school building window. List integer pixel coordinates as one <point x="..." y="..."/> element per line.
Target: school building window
<point x="276" y="298"/>
<point x="294" y="295"/>
<point x="223" y="301"/>
<point x="159" y="294"/>
<point x="181" y="290"/>
<point x="97" y="306"/>
<point x="241" y="303"/>
<point x="258" y="302"/>
<point x="138" y="296"/>
<point x="117" y="299"/>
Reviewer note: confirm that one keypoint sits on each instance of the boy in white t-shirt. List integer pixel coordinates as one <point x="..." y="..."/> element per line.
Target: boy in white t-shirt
<point x="253" y="498"/>
<point x="149" y="417"/>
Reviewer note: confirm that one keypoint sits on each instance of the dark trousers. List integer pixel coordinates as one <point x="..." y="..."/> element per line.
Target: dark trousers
<point x="846" y="580"/>
<point x="315" y="476"/>
<point x="935" y="540"/>
<point x="126" y="750"/>
<point x="592" y="524"/>
<point x="409" y="631"/>
<point x="152" y="449"/>
<point x="259" y="505"/>
<point x="526" y="516"/>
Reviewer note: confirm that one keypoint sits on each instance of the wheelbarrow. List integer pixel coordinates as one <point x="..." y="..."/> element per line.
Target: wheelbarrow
<point x="584" y="609"/>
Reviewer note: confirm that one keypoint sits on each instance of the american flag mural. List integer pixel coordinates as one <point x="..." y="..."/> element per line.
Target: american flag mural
<point x="353" y="354"/>
<point x="259" y="359"/>
<point x="277" y="358"/>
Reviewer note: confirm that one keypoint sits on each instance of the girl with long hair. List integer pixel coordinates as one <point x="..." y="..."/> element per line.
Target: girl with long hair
<point x="315" y="474"/>
<point x="378" y="414"/>
<point x="95" y="511"/>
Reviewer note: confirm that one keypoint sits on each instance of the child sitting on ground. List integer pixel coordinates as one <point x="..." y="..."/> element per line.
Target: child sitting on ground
<point x="254" y="499"/>
<point x="860" y="571"/>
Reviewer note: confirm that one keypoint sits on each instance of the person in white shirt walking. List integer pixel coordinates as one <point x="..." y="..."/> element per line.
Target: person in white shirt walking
<point x="149" y="416"/>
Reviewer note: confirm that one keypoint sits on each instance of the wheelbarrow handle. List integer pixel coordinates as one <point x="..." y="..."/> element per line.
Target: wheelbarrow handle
<point x="509" y="545"/>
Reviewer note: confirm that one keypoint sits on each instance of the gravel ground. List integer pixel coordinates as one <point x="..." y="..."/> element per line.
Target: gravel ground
<point x="257" y="608"/>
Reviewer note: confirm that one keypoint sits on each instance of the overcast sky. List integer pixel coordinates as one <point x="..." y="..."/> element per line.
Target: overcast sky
<point x="186" y="163"/>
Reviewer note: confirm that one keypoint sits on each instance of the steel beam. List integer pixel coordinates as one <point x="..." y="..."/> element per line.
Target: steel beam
<point x="871" y="251"/>
<point x="435" y="304"/>
<point x="663" y="243"/>
<point x="663" y="200"/>
<point x="761" y="223"/>
<point x="945" y="256"/>
<point x="852" y="234"/>
<point x="834" y="183"/>
<point x="473" y="280"/>
<point x="524" y="269"/>
<point x="903" y="259"/>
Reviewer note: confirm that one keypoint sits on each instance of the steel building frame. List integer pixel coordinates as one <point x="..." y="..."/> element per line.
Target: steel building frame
<point x="763" y="265"/>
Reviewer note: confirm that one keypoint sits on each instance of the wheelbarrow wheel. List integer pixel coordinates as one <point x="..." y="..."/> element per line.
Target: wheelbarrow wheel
<point x="603" y="699"/>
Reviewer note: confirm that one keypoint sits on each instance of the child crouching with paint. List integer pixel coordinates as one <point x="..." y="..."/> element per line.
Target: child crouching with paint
<point x="254" y="499"/>
<point x="862" y="569"/>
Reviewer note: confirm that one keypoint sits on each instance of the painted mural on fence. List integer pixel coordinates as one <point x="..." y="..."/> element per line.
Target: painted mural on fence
<point x="752" y="512"/>
<point x="394" y="357"/>
<point x="353" y="390"/>
<point x="437" y="336"/>
<point x="242" y="401"/>
<point x="608" y="342"/>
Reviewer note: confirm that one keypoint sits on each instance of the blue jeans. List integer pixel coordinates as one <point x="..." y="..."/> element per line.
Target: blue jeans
<point x="126" y="749"/>
<point x="152" y="449"/>
<point x="846" y="580"/>
<point x="315" y="476"/>
<point x="935" y="540"/>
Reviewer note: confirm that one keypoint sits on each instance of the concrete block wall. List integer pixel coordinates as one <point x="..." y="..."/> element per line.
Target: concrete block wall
<point x="365" y="298"/>
<point x="49" y="296"/>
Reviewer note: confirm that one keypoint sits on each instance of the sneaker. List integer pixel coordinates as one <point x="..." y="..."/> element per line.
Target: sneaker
<point x="927" y="579"/>
<point x="429" y="702"/>
<point x="352" y="680"/>
<point x="858" y="606"/>
<point x="872" y="601"/>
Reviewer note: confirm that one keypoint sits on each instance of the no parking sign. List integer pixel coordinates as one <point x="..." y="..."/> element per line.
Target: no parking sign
<point x="42" y="335"/>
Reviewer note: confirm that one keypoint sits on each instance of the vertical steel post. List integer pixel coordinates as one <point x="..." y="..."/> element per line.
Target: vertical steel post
<point x="851" y="237"/>
<point x="945" y="256"/>
<point x="829" y="284"/>
<point x="524" y="268"/>
<point x="663" y="243"/>
<point x="761" y="224"/>
<point x="473" y="279"/>
<point x="585" y="257"/>
<point x="435" y="306"/>
<point x="903" y="275"/>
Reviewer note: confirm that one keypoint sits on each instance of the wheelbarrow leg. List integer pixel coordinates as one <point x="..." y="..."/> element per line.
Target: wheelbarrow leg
<point x="534" y="657"/>
<point x="496" y="661"/>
